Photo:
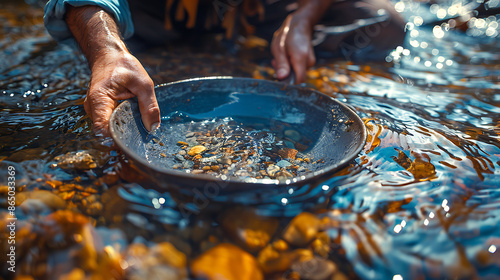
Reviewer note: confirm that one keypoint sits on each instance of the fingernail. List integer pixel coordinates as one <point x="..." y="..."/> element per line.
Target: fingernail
<point x="155" y="126"/>
<point x="282" y="73"/>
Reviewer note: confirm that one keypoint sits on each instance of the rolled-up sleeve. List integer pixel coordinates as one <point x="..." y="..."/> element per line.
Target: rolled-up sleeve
<point x="55" y="11"/>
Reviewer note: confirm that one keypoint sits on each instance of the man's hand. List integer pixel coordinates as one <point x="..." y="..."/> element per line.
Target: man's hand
<point x="292" y="49"/>
<point x="291" y="46"/>
<point x="116" y="77"/>
<point x="116" y="74"/>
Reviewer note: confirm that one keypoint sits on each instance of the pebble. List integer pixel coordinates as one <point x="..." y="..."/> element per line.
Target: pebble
<point x="215" y="168"/>
<point x="283" y="163"/>
<point x="196" y="150"/>
<point x="289" y="144"/>
<point x="224" y="160"/>
<point x="226" y="261"/>
<point x="302" y="229"/>
<point x="284" y="174"/>
<point x="272" y="169"/>
<point x="287" y="153"/>
<point x="166" y="253"/>
<point x="315" y="269"/>
<point x="188" y="164"/>
<point x="162" y="261"/>
<point x="180" y="158"/>
<point x="81" y="160"/>
<point x="64" y="228"/>
<point x="49" y="199"/>
<point x="272" y="260"/>
<point x="248" y="229"/>
<point x="293" y="134"/>
<point x="240" y="152"/>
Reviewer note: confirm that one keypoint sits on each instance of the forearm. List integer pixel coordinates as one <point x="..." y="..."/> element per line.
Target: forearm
<point x="95" y="31"/>
<point x="313" y="10"/>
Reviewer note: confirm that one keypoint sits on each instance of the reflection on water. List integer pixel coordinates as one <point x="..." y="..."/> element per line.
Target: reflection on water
<point x="421" y="200"/>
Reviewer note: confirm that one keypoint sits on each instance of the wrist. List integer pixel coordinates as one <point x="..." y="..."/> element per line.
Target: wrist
<point x="311" y="11"/>
<point x="96" y="33"/>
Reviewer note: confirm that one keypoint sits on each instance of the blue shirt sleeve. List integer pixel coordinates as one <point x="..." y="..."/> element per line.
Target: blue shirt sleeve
<point x="59" y="30"/>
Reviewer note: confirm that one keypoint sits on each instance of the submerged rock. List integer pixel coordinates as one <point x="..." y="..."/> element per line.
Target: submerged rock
<point x="315" y="268"/>
<point x="226" y="261"/>
<point x="81" y="160"/>
<point x="249" y="229"/>
<point x="162" y="261"/>
<point x="302" y="229"/>
<point x="293" y="134"/>
<point x="31" y="201"/>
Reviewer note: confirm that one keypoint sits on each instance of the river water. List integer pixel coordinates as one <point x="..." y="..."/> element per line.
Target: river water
<point x="420" y="201"/>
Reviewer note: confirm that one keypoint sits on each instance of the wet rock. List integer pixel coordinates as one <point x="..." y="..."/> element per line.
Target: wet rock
<point x="65" y="229"/>
<point x="167" y="254"/>
<point x="272" y="169"/>
<point x="272" y="260"/>
<point x="162" y="261"/>
<point x="81" y="160"/>
<point x="289" y="144"/>
<point x="284" y="175"/>
<point x="302" y="229"/>
<point x="226" y="261"/>
<point x="287" y="153"/>
<point x="248" y="229"/>
<point x="321" y="245"/>
<point x="283" y="163"/>
<point x="180" y="158"/>
<point x="315" y="268"/>
<point x="187" y="164"/>
<point x="293" y="135"/>
<point x="224" y="160"/>
<point x="196" y="150"/>
<point x="29" y="201"/>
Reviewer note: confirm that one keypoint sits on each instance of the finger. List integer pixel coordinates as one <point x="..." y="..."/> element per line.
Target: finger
<point x="101" y="107"/>
<point x="148" y="105"/>
<point x="299" y="62"/>
<point x="281" y="63"/>
<point x="311" y="58"/>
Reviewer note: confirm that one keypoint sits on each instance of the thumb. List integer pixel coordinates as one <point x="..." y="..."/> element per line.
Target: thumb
<point x="150" y="111"/>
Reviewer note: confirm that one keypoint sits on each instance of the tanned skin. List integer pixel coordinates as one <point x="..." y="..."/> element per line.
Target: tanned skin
<point x="116" y="74"/>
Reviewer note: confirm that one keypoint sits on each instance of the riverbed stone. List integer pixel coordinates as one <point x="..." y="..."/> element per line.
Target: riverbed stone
<point x="272" y="169"/>
<point x="247" y="228"/>
<point x="315" y="269"/>
<point x="293" y="135"/>
<point x="226" y="261"/>
<point x="272" y="260"/>
<point x="81" y="160"/>
<point x="196" y="150"/>
<point x="27" y="200"/>
<point x="287" y="153"/>
<point x="302" y="229"/>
